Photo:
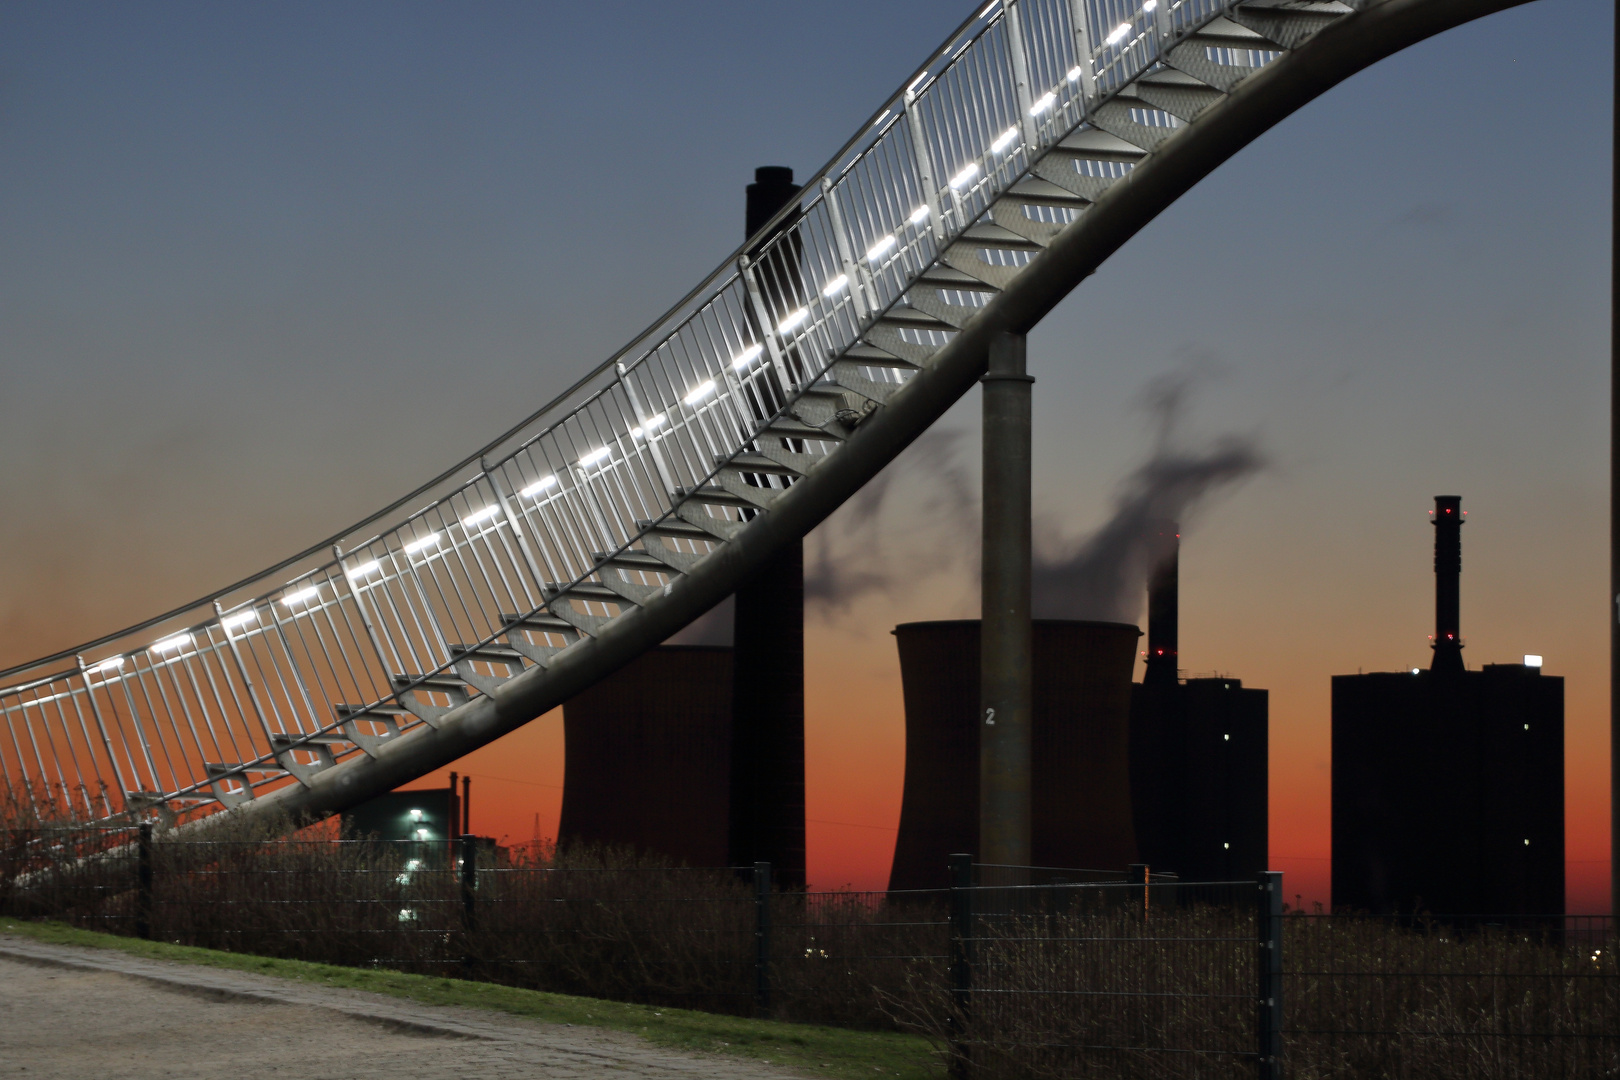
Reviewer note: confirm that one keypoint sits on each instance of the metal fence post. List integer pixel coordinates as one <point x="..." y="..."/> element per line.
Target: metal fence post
<point x="961" y="960"/>
<point x="762" y="937"/>
<point x="1269" y="926"/>
<point x="143" y="882"/>
<point x="469" y="881"/>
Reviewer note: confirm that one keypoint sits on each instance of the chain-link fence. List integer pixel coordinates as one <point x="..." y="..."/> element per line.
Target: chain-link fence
<point x="1014" y="971"/>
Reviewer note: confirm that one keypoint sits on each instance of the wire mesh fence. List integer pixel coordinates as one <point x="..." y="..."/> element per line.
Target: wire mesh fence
<point x="1014" y="971"/>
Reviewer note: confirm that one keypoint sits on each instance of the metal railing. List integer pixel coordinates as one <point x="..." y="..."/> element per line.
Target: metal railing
<point x="351" y="643"/>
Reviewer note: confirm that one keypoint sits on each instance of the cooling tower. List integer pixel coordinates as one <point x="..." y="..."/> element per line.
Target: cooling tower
<point x="1081" y="797"/>
<point x="649" y="756"/>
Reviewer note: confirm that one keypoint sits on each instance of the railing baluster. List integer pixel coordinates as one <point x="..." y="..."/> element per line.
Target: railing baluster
<point x="1019" y="56"/>
<point x="922" y="161"/>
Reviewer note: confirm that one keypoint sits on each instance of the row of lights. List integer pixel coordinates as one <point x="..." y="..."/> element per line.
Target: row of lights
<point x="875" y="254"/>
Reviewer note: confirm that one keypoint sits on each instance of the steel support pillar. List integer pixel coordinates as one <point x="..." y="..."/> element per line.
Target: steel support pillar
<point x="1614" y="492"/>
<point x="1006" y="697"/>
<point x="767" y="690"/>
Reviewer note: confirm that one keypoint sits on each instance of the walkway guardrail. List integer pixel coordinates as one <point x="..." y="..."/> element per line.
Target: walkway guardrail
<point x="605" y="496"/>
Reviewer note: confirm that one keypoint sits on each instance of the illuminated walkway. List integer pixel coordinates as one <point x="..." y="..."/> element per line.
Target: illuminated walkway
<point x="1034" y="142"/>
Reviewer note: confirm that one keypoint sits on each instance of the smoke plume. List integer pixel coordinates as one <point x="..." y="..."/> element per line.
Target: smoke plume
<point x="846" y="559"/>
<point x="1105" y="576"/>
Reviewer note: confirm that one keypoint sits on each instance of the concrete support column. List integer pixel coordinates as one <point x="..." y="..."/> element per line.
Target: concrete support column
<point x="1006" y="696"/>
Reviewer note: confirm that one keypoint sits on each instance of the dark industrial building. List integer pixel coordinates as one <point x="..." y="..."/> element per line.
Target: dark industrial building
<point x="648" y="757"/>
<point x="1448" y="784"/>
<point x="1199" y="754"/>
<point x="1081" y="785"/>
<point x="431" y="818"/>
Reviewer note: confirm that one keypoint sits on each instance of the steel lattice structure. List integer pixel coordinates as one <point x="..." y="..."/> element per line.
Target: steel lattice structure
<point x="1029" y="147"/>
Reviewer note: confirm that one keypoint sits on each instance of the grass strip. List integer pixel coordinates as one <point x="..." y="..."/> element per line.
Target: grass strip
<point x="825" y="1051"/>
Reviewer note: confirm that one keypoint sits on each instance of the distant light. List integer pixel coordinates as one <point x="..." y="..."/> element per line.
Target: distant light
<point x="241" y="618"/>
<point x="1532" y="660"/>
<point x="881" y="248"/>
<point x="965" y="175"/>
<point x="364" y="569"/>
<point x="1119" y="33"/>
<point x="792" y="320"/>
<point x="170" y="644"/>
<point x="1414" y="671"/>
<point x="1042" y="105"/>
<point x="747" y="356"/>
<point x="1228" y="847"/>
<point x="1527" y="727"/>
<point x="1003" y="141"/>
<point x="703" y="391"/>
<point x="1075" y="73"/>
<point x="478" y="517"/>
<point x="1227" y="737"/>
<point x="598" y="454"/>
<point x="1150" y="5"/>
<point x="1527" y="843"/>
<point x="430" y="540"/>
<point x="421" y="834"/>
<point x="416" y="815"/>
<point x="543" y="484"/>
<point x="918" y="216"/>
<point x="835" y="285"/>
<point x="301" y="596"/>
<point x="112" y="663"/>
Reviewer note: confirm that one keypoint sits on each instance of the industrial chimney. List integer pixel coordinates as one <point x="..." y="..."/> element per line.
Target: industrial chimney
<point x="1164" y="606"/>
<point x="1447" y="572"/>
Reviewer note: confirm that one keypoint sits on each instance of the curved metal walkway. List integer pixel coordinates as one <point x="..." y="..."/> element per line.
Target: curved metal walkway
<point x="1039" y="138"/>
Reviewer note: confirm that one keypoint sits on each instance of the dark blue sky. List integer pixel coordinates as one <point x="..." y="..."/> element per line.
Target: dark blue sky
<point x="264" y="267"/>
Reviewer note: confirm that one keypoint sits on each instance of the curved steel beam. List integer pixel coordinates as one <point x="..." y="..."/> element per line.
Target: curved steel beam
<point x="1256" y="104"/>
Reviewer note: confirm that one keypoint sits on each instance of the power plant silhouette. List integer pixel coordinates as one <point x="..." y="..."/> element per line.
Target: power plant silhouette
<point x="1080" y="776"/>
<point x="1448" y="784"/>
<point x="1199" y="753"/>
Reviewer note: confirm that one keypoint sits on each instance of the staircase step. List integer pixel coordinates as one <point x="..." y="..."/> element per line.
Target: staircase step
<point x="872" y="356"/>
<point x="441" y="682"/>
<point x="284" y="741"/>
<point x="491" y="654"/>
<point x="676" y="529"/>
<point x="584" y="590"/>
<point x="379" y="713"/>
<point x="791" y="427"/>
<point x="542" y="621"/>
<point x="951" y="278"/>
<point x="631" y="560"/>
<point x="991" y="235"/>
<point x="1289" y="26"/>
<point x="722" y="493"/>
<point x="715" y="528"/>
<point x="759" y="463"/>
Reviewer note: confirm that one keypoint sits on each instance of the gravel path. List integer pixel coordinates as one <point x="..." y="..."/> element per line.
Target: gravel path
<point x="87" y="1014"/>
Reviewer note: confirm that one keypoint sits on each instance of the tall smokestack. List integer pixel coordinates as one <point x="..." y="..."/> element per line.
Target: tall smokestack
<point x="767" y="696"/>
<point x="1164" y="610"/>
<point x="1447" y="524"/>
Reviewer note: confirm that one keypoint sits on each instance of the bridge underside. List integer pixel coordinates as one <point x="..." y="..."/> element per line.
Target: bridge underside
<point x="811" y="421"/>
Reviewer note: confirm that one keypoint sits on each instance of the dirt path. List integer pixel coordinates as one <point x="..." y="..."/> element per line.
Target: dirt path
<point x="88" y="1013"/>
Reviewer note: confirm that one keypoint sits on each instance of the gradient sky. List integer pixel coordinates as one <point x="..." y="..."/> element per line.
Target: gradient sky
<point x="264" y="267"/>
